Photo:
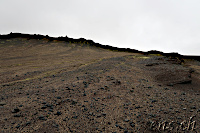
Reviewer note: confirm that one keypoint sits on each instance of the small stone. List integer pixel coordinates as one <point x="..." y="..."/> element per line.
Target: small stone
<point x="20" y="105"/>
<point x="132" y="124"/>
<point x="165" y="112"/>
<point x="75" y="117"/>
<point x="58" y="97"/>
<point x="15" y="110"/>
<point x="74" y="101"/>
<point x="126" y="120"/>
<point x="90" y="113"/>
<point x="166" y="88"/>
<point x="2" y="103"/>
<point x="85" y="109"/>
<point x="44" y="107"/>
<point x="41" y="117"/>
<point x="17" y="115"/>
<point x="102" y="88"/>
<point x="99" y="115"/>
<point x="28" y="123"/>
<point x="184" y="108"/>
<point x="18" y="126"/>
<point x="50" y="110"/>
<point x="120" y="127"/>
<point x="153" y="101"/>
<point x="58" y="113"/>
<point x="183" y="93"/>
<point x="193" y="107"/>
<point x="104" y="114"/>
<point x="55" y="125"/>
<point x="137" y="107"/>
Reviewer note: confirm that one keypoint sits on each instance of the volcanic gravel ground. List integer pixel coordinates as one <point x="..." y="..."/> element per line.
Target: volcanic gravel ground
<point x="112" y="92"/>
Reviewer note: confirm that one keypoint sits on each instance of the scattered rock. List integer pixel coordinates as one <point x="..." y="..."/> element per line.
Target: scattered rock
<point x="28" y="123"/>
<point x="58" y="97"/>
<point x="55" y="125"/>
<point x="104" y="114"/>
<point x="74" y="101"/>
<point x="44" y="107"/>
<point x="2" y="103"/>
<point x="18" y="126"/>
<point x="15" y="110"/>
<point x="153" y="101"/>
<point x="98" y="115"/>
<point x="58" y="113"/>
<point x="41" y="117"/>
<point x="17" y="115"/>
<point x="126" y="120"/>
<point x="137" y="107"/>
<point x="132" y="124"/>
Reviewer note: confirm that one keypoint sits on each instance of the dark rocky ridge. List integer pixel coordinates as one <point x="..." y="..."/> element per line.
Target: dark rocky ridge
<point x="92" y="43"/>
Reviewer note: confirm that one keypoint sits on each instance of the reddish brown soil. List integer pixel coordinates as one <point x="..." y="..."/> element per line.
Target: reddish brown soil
<point x="61" y="87"/>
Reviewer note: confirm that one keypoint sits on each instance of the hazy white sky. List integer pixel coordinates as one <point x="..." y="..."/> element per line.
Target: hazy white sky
<point x="164" y="25"/>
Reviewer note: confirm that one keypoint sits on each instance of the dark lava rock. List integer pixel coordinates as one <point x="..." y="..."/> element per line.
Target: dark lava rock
<point x="49" y="105"/>
<point x="55" y="125"/>
<point x="132" y="124"/>
<point x="58" y="97"/>
<point x="18" y="126"/>
<point x="153" y="101"/>
<point x="41" y="117"/>
<point x="50" y="110"/>
<point x="117" y="82"/>
<point x="137" y="107"/>
<point x="104" y="114"/>
<point x="44" y="107"/>
<point x="74" y="102"/>
<point x="15" y="110"/>
<point x="121" y="127"/>
<point x="28" y="123"/>
<point x="99" y="115"/>
<point x="193" y="107"/>
<point x="2" y="103"/>
<point x="17" y="115"/>
<point x="67" y="88"/>
<point x="58" y="113"/>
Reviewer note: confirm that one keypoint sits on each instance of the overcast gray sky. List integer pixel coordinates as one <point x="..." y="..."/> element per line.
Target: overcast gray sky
<point x="164" y="25"/>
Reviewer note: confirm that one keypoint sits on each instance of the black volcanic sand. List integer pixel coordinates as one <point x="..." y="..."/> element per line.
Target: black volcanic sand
<point x="63" y="87"/>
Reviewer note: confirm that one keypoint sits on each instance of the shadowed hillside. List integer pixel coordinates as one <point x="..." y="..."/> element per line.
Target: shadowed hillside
<point x="62" y="84"/>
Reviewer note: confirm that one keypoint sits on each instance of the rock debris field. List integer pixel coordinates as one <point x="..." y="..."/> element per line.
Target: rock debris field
<point x="55" y="86"/>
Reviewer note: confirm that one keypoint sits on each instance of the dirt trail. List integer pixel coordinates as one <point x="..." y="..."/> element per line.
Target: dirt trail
<point x="60" y="87"/>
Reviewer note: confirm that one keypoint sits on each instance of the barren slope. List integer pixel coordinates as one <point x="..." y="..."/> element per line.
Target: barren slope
<point x="62" y="87"/>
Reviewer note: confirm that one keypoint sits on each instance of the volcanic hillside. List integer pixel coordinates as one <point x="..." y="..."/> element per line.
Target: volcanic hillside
<point x="75" y="85"/>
